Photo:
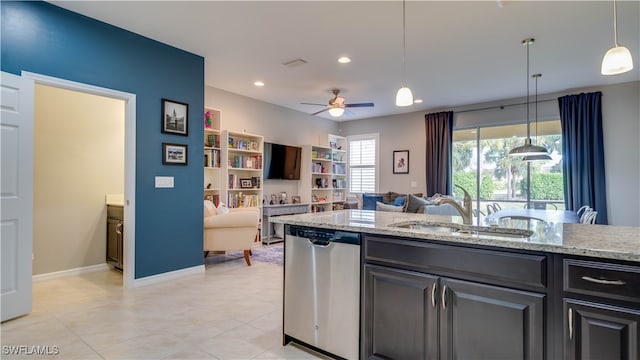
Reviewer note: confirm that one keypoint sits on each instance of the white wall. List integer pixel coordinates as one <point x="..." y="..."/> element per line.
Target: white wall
<point x="79" y="157"/>
<point x="620" y="111"/>
<point x="276" y="123"/>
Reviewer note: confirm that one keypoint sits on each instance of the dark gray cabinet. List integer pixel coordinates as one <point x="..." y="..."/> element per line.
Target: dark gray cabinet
<point x="115" y="227"/>
<point x="401" y="319"/>
<point x="598" y="331"/>
<point x="414" y="309"/>
<point x="480" y="321"/>
<point x="602" y="310"/>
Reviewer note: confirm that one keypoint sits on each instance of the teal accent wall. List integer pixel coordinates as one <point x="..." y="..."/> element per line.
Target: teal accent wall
<point x="42" y="38"/>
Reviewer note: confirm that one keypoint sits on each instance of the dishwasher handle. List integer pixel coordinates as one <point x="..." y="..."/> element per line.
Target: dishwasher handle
<point x="319" y="242"/>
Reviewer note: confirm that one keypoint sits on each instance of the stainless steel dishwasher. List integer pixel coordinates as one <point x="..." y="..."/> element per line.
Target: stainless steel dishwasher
<point x="322" y="290"/>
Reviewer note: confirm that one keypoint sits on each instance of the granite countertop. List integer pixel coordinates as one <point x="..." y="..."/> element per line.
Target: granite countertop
<point x="600" y="241"/>
<point x="114" y="200"/>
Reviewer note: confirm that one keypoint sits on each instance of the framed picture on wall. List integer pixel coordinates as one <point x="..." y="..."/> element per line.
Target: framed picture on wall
<point x="174" y="154"/>
<point x="401" y="161"/>
<point x="175" y="117"/>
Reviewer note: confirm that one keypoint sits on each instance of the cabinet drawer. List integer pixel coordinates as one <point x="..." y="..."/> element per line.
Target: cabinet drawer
<point x="489" y="265"/>
<point x="602" y="279"/>
<point x="116" y="212"/>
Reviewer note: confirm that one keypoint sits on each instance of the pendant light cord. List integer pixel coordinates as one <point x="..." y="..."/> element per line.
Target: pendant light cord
<point x="404" y="45"/>
<point x="615" y="23"/>
<point x="528" y="43"/>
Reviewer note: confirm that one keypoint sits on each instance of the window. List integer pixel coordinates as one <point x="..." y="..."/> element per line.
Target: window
<point x="363" y="163"/>
<point x="482" y="166"/>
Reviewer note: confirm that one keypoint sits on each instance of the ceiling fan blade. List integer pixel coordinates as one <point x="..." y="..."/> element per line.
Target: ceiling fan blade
<point x="359" y="105"/>
<point x="318" y="112"/>
<point x="305" y="103"/>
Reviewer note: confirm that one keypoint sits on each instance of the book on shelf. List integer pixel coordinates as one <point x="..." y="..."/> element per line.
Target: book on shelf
<point x="317" y="167"/>
<point x="215" y="199"/>
<point x="213" y="140"/>
<point x="247" y="161"/>
<point x="212" y="158"/>
<point x="242" y="200"/>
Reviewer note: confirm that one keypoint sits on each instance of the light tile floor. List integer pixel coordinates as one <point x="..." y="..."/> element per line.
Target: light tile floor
<point x="233" y="311"/>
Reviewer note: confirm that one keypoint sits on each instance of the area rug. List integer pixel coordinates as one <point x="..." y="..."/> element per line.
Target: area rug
<point x="273" y="253"/>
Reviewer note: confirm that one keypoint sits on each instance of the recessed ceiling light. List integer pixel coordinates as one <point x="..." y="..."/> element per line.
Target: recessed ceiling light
<point x="344" y="60"/>
<point x="258" y="83"/>
<point x="417" y="101"/>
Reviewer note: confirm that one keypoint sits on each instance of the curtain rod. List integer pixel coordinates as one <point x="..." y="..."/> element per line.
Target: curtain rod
<point x="502" y="106"/>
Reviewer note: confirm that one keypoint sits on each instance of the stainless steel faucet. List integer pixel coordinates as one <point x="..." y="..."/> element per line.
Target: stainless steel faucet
<point x="465" y="210"/>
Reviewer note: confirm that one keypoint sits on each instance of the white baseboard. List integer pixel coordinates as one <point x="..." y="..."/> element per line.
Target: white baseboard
<point x="70" y="272"/>
<point x="171" y="275"/>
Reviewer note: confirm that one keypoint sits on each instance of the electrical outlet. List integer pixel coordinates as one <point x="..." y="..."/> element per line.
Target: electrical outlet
<point x="414" y="184"/>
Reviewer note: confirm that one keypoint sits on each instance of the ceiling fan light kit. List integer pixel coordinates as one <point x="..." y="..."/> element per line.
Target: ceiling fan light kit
<point x="618" y="59"/>
<point x="532" y="152"/>
<point x="404" y="97"/>
<point x="336" y="111"/>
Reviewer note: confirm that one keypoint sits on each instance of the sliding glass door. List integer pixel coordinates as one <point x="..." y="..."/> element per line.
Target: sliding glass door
<point x="482" y="166"/>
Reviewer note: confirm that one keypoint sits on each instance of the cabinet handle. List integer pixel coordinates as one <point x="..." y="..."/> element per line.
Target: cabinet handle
<point x="570" y="318"/>
<point x="444" y="302"/>
<point x="433" y="295"/>
<point x="603" y="281"/>
<point x="119" y="228"/>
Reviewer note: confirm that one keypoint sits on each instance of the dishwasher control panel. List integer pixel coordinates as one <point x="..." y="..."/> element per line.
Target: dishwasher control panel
<point x="324" y="235"/>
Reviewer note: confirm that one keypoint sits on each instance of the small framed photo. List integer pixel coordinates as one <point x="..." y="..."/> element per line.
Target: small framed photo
<point x="246" y="184"/>
<point x="174" y="154"/>
<point x="401" y="162"/>
<point x="333" y="145"/>
<point x="175" y="117"/>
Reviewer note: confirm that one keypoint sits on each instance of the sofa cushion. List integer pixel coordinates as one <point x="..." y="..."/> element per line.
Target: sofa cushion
<point x="209" y="208"/>
<point x="386" y="207"/>
<point x="369" y="201"/>
<point x="399" y="201"/>
<point x="415" y="204"/>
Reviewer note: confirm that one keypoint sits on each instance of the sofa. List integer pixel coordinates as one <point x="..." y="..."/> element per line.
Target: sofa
<point x="413" y="203"/>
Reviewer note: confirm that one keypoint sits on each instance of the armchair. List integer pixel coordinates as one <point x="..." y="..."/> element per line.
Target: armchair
<point x="235" y="230"/>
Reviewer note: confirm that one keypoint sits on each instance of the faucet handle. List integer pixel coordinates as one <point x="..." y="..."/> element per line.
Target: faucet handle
<point x="466" y="194"/>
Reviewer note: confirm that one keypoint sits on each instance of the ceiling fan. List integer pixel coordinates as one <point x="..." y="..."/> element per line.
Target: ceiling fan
<point x="336" y="105"/>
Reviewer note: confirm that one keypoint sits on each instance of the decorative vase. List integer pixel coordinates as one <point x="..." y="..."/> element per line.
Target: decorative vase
<point x="208" y="121"/>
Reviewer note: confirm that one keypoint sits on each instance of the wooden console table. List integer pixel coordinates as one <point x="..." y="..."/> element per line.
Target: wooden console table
<point x="275" y="210"/>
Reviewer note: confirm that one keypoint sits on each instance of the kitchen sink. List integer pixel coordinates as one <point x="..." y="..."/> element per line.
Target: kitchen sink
<point x="460" y="229"/>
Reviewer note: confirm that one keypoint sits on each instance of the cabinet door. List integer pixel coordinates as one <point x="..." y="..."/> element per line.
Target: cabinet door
<point x="113" y="252"/>
<point x="400" y="315"/>
<point x="120" y="233"/>
<point x="488" y="322"/>
<point x="598" y="331"/>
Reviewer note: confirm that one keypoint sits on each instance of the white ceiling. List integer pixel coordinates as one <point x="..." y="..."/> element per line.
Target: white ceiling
<point x="457" y="52"/>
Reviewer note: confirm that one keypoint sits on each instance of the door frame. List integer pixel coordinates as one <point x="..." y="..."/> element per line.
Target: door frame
<point x="129" y="159"/>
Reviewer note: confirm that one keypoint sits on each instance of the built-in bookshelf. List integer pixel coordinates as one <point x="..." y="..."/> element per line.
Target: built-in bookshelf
<point x="212" y="155"/>
<point x="316" y="177"/>
<point x="338" y="146"/>
<point x="242" y="162"/>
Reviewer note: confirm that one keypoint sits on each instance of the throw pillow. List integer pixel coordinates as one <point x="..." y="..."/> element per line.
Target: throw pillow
<point x="386" y="207"/>
<point x="369" y="201"/>
<point x="222" y="209"/>
<point x="415" y="204"/>
<point x="399" y="201"/>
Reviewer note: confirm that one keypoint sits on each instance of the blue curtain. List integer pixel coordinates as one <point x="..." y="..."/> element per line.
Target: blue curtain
<point x="439" y="139"/>
<point x="583" y="153"/>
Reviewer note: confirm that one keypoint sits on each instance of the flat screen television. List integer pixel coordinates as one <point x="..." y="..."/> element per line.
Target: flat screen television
<point x="282" y="161"/>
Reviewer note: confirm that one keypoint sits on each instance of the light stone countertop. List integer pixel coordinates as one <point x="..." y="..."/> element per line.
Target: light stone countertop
<point x="599" y="241"/>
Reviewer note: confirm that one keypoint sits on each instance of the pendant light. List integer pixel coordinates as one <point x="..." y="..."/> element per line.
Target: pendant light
<point x="528" y="148"/>
<point x="541" y="157"/>
<point x="618" y="59"/>
<point x="404" y="97"/>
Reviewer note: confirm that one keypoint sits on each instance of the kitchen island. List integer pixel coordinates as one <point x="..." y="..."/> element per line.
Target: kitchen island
<point x="435" y="288"/>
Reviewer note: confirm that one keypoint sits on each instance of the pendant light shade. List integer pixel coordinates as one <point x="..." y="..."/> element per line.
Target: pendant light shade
<point x="531" y="158"/>
<point x="336" y="111"/>
<point x="618" y="59"/>
<point x="404" y="97"/>
<point x="532" y="152"/>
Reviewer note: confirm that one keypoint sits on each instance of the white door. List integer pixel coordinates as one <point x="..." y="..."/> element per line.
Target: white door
<point x="16" y="195"/>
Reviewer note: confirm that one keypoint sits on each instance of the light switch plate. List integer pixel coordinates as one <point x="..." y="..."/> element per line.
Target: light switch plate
<point x="164" y="181"/>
